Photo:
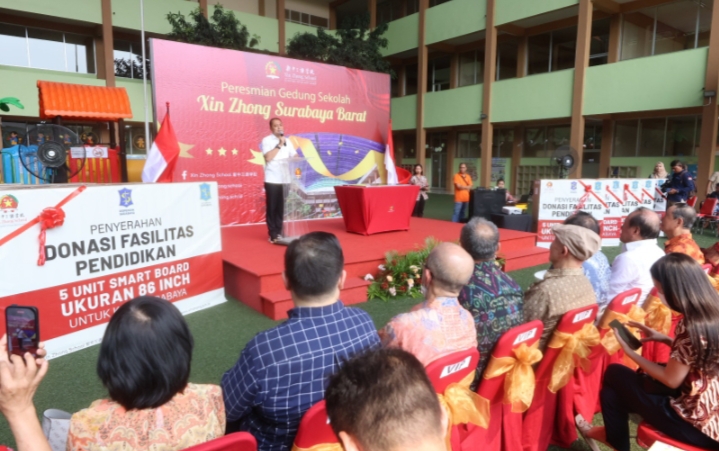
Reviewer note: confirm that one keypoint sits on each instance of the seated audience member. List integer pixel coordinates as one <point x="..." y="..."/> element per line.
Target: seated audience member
<point x="19" y="379"/>
<point x="596" y="268"/>
<point x="144" y="364"/>
<point x="565" y="287"/>
<point x="282" y="371"/>
<point x="384" y="401"/>
<point x="714" y="194"/>
<point x="508" y="197"/>
<point x="438" y="326"/>
<point x="631" y="268"/>
<point x="677" y="226"/>
<point x="491" y="296"/>
<point x="690" y="413"/>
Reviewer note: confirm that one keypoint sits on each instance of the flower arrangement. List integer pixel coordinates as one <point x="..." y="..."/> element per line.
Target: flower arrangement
<point x="400" y="275"/>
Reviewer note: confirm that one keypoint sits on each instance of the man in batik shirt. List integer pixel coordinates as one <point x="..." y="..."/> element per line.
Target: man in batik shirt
<point x="491" y="296"/>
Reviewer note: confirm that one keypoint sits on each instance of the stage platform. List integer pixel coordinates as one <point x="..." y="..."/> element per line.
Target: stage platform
<point x="253" y="266"/>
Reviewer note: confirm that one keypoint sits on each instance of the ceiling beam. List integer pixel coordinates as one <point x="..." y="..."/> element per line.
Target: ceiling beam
<point x="608" y="6"/>
<point x="337" y="3"/>
<point x="512" y="29"/>
<point x="640" y="4"/>
<point x="442" y="47"/>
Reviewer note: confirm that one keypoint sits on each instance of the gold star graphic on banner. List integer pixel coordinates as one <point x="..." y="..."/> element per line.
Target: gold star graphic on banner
<point x="235" y="151"/>
<point x="222" y="151"/>
<point x="209" y="151"/>
<point x="185" y="150"/>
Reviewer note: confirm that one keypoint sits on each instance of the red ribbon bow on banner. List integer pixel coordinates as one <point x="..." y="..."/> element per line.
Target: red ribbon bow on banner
<point x="49" y="218"/>
<point x="585" y="196"/>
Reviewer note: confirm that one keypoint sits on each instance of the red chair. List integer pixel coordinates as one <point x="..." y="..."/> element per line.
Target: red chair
<point x="502" y="433"/>
<point x="692" y="201"/>
<point x="706" y="215"/>
<point x="453" y="368"/>
<point x="550" y="418"/>
<point x="237" y="441"/>
<point x="647" y="435"/>
<point x="653" y="350"/>
<point x="315" y="428"/>
<point x="588" y="385"/>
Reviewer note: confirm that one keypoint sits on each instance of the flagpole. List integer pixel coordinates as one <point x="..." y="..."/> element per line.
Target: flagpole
<point x="148" y="139"/>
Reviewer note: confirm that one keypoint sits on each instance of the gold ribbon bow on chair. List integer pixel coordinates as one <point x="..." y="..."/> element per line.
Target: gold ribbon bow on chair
<point x="464" y="406"/>
<point x="609" y="341"/>
<point x="519" y="382"/>
<point x="659" y="316"/>
<point x="579" y="344"/>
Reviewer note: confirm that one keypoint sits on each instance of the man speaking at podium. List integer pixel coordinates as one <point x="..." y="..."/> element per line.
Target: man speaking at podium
<point x="275" y="148"/>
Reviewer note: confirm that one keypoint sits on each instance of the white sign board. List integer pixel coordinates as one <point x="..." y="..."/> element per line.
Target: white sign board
<point x="559" y="199"/>
<point x="117" y="242"/>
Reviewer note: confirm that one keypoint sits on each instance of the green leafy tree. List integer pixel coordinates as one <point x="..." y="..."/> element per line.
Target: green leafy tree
<point x="352" y="45"/>
<point x="222" y="30"/>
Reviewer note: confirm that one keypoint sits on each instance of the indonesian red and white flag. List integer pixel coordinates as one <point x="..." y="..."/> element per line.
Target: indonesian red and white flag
<point x="389" y="158"/>
<point x="163" y="154"/>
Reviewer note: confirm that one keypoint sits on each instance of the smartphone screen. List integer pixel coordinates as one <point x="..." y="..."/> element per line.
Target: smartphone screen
<point x="627" y="336"/>
<point x="23" y="330"/>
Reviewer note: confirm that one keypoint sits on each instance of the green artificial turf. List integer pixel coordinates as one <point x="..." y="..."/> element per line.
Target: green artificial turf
<point x="220" y="334"/>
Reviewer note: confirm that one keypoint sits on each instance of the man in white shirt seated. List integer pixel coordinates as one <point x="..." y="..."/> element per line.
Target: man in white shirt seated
<point x="275" y="148"/>
<point x="639" y="242"/>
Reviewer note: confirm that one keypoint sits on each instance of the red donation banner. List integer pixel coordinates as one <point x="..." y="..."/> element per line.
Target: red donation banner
<point x="221" y="103"/>
<point x="117" y="242"/>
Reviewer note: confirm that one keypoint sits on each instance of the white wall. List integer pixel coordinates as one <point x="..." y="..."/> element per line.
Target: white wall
<point x="319" y="8"/>
<point x="245" y="6"/>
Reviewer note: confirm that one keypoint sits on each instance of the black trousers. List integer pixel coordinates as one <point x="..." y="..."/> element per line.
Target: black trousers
<point x="418" y="211"/>
<point x="622" y="393"/>
<point x="275" y="208"/>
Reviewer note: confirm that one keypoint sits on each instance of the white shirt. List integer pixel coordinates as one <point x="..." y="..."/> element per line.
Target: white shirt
<point x="275" y="171"/>
<point x="631" y="268"/>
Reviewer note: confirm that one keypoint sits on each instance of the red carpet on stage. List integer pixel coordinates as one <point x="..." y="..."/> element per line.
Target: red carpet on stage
<point x="253" y="266"/>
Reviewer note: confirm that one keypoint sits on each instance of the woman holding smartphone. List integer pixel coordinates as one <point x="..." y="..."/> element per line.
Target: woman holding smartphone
<point x="678" y="399"/>
<point x="419" y="179"/>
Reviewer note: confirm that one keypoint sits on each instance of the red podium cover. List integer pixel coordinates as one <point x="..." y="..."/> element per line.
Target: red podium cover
<point x="374" y="209"/>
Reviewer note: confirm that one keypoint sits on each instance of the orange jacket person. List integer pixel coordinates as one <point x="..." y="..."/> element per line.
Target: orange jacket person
<point x="462" y="186"/>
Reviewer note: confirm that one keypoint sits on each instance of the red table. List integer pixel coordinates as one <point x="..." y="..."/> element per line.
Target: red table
<point x="374" y="209"/>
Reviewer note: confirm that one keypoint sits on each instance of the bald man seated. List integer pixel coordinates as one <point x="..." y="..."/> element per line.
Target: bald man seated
<point x="439" y="325"/>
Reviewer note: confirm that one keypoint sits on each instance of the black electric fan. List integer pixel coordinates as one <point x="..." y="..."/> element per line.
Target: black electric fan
<point x="563" y="162"/>
<point x="46" y="152"/>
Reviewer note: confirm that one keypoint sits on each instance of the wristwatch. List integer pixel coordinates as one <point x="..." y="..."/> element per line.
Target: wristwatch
<point x="278" y="146"/>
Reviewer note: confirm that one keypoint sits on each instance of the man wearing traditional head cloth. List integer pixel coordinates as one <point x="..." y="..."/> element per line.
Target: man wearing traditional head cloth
<point x="565" y="287"/>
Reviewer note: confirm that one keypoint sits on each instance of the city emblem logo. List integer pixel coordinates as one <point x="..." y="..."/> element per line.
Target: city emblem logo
<point x="205" y="193"/>
<point x="272" y="70"/>
<point x="649" y="184"/>
<point x="573" y="186"/>
<point x="125" y="197"/>
<point x="615" y="185"/>
<point x="549" y="184"/>
<point x="635" y="185"/>
<point x="8" y="202"/>
<point x="598" y="186"/>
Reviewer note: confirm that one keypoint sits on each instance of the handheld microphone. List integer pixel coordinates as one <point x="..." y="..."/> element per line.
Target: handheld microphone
<point x="282" y="135"/>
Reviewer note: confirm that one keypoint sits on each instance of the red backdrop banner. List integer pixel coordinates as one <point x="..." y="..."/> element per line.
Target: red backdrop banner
<point x="221" y="103"/>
